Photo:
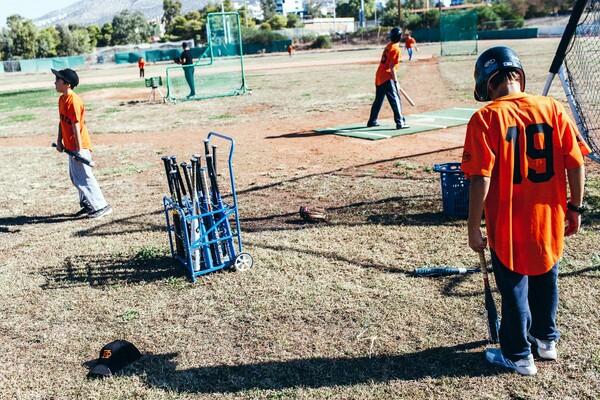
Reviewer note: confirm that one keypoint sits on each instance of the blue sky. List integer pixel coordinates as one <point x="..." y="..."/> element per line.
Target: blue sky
<point x="30" y="9"/>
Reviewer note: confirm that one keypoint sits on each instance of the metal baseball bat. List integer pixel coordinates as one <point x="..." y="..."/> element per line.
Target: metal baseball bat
<point x="171" y="180"/>
<point x="218" y="202"/>
<point x="78" y="157"/>
<point x="444" y="271"/>
<point x="490" y="307"/>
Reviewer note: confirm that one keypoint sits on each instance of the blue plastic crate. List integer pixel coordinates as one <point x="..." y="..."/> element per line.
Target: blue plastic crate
<point x="455" y="189"/>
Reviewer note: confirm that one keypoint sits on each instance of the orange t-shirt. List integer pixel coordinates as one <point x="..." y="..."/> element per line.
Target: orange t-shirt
<point x="71" y="110"/>
<point x="391" y="54"/>
<point x="524" y="143"/>
<point x="409" y="42"/>
<point x="141" y="63"/>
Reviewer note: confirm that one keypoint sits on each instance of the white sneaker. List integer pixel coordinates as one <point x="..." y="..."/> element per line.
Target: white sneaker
<point x="524" y="366"/>
<point x="546" y="349"/>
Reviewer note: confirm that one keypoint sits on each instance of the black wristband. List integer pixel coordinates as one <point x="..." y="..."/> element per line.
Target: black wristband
<point x="577" y="209"/>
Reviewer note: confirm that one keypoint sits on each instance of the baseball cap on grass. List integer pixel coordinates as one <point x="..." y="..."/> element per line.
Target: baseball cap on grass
<point x="67" y="75"/>
<point x="113" y="357"/>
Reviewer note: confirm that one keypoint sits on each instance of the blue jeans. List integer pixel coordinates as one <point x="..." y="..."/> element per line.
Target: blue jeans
<point x="82" y="177"/>
<point x="529" y="305"/>
<point x="387" y="89"/>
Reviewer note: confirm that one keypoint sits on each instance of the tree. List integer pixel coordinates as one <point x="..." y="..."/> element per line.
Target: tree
<point x="94" y="34"/>
<point x="171" y="10"/>
<point x="313" y="8"/>
<point x="47" y="40"/>
<point x="105" y="38"/>
<point x="277" y="22"/>
<point x="81" y="40"/>
<point x="268" y="8"/>
<point x="390" y="14"/>
<point x="293" y="21"/>
<point x="352" y="9"/>
<point x="66" y="44"/>
<point x="130" y="28"/>
<point x="22" y="35"/>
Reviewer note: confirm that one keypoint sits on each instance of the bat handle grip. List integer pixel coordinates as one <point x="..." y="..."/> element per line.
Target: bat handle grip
<point x="483" y="262"/>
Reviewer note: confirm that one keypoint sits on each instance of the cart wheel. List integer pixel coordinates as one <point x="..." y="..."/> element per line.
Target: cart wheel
<point x="243" y="262"/>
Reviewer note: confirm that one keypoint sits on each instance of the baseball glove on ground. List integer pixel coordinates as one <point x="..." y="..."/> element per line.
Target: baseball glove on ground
<point x="312" y="214"/>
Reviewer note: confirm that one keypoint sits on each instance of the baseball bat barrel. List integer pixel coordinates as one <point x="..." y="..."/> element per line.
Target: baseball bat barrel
<point x="412" y="103"/>
<point x="175" y="167"/>
<point x="167" y="163"/>
<point x="214" y="156"/>
<point x="188" y="182"/>
<point x="77" y="156"/>
<point x="439" y="271"/>
<point x="490" y="306"/>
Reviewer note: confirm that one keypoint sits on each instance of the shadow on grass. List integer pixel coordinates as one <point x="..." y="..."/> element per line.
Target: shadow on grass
<point x="588" y="272"/>
<point x="297" y="135"/>
<point x="110" y="270"/>
<point x="123" y="226"/>
<point x="454" y="361"/>
<point x="33" y="220"/>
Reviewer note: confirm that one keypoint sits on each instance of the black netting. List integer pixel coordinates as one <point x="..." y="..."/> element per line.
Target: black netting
<point x="582" y="64"/>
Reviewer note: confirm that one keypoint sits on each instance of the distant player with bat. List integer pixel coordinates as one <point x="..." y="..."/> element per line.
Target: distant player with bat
<point x="386" y="82"/>
<point x="73" y="137"/>
<point x="520" y="153"/>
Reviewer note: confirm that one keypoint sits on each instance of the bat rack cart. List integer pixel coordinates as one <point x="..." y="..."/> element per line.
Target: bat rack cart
<point x="204" y="230"/>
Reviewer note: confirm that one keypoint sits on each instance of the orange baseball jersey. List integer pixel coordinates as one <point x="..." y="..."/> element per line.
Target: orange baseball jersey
<point x="524" y="143"/>
<point x="71" y="110"/>
<point x="141" y="63"/>
<point x="391" y="54"/>
<point x="409" y="42"/>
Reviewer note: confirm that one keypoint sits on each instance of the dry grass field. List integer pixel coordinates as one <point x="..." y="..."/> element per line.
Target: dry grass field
<point x="330" y="310"/>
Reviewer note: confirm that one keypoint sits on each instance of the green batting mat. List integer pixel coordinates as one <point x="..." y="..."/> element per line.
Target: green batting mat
<point x="428" y="121"/>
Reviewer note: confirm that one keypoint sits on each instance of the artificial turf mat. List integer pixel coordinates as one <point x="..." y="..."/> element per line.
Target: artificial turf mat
<point x="427" y="121"/>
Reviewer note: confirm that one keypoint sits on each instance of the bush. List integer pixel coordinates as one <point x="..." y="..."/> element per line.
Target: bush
<point x="322" y="42"/>
<point x="260" y="36"/>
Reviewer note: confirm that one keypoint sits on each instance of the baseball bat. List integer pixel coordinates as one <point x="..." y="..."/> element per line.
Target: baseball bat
<point x="490" y="307"/>
<point x="209" y="220"/>
<point x="78" y="157"/>
<point x="176" y="216"/>
<point x="218" y="202"/>
<point x="214" y="156"/>
<point x="406" y="96"/>
<point x="445" y="271"/>
<point x="194" y="223"/>
<point x="175" y="168"/>
<point x="184" y="167"/>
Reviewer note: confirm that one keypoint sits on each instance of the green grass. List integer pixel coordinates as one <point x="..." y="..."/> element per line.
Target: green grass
<point x="22" y="117"/>
<point x="329" y="311"/>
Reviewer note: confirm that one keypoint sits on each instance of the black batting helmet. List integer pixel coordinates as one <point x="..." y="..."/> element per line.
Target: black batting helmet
<point x="489" y="63"/>
<point x="395" y="35"/>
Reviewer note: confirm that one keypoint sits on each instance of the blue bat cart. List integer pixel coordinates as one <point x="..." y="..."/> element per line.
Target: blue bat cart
<point x="203" y="228"/>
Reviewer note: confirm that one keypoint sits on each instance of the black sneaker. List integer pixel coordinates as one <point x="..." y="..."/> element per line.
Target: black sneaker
<point x="84" y="210"/>
<point x="402" y="126"/>
<point x="370" y="125"/>
<point x="101" y="212"/>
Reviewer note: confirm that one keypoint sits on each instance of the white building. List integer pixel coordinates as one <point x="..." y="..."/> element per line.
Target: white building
<point x="285" y="7"/>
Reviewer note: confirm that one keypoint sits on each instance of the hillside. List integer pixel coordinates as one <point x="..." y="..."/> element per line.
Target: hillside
<point x="92" y="12"/>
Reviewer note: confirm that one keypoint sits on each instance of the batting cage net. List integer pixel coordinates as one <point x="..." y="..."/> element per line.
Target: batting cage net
<point x="458" y="33"/>
<point x="582" y="66"/>
<point x="219" y="68"/>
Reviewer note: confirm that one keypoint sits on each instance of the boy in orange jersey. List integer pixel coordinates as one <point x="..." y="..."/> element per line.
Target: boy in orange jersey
<point x="386" y="82"/>
<point x="520" y="152"/>
<point x="141" y="65"/>
<point x="73" y="136"/>
<point x="410" y="43"/>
